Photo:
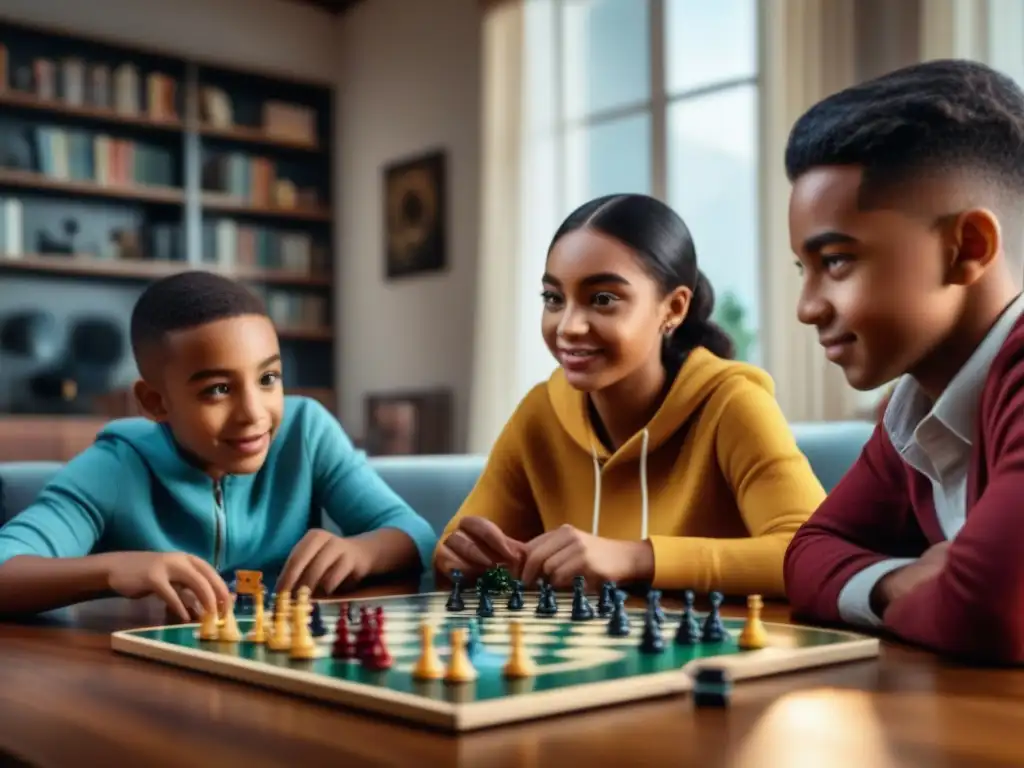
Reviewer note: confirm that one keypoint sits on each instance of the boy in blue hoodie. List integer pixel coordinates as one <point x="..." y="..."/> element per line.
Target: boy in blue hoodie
<point x="225" y="473"/>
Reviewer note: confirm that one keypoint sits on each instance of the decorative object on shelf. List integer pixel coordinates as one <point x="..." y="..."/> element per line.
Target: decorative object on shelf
<point x="415" y="206"/>
<point x="49" y="245"/>
<point x="32" y="334"/>
<point x="409" y="423"/>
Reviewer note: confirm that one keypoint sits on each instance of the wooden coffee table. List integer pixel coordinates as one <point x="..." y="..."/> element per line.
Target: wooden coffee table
<point x="67" y="699"/>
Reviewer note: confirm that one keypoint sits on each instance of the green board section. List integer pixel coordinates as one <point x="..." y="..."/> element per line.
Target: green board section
<point x="566" y="653"/>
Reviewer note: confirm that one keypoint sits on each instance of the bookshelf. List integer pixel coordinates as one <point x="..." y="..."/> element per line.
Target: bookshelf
<point x="120" y="165"/>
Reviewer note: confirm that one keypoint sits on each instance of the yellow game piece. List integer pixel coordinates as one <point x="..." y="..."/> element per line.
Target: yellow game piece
<point x="208" y="629"/>
<point x="258" y="633"/>
<point x="280" y="635"/>
<point x="248" y="582"/>
<point x="519" y="663"/>
<point x="754" y="635"/>
<point x="229" y="632"/>
<point x="303" y="646"/>
<point x="429" y="666"/>
<point x="460" y="669"/>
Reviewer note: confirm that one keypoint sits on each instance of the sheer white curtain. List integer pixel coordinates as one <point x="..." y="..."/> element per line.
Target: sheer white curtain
<point x="808" y="53"/>
<point x="518" y="209"/>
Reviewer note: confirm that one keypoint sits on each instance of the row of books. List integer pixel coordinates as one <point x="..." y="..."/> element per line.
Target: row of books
<point x="228" y="244"/>
<point x="74" y="81"/>
<point x="293" y="309"/>
<point x="254" y="181"/>
<point x="280" y="119"/>
<point x="82" y="156"/>
<point x="126" y="90"/>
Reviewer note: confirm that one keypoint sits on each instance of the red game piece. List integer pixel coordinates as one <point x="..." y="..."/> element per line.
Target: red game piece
<point x="343" y="648"/>
<point x="377" y="657"/>
<point x="364" y="637"/>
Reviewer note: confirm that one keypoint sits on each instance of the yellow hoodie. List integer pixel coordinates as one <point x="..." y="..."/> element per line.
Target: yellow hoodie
<point x="715" y="481"/>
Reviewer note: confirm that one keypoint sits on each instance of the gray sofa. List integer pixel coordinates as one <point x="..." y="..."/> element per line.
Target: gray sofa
<point x="436" y="485"/>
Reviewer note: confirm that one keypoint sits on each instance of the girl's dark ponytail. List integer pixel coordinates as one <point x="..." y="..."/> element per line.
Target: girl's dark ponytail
<point x="698" y="330"/>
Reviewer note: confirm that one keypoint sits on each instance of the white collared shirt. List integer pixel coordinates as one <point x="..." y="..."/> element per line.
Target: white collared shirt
<point x="936" y="441"/>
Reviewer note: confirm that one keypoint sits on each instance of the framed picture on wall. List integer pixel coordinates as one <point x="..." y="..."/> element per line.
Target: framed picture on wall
<point x="415" y="213"/>
<point x="409" y="423"/>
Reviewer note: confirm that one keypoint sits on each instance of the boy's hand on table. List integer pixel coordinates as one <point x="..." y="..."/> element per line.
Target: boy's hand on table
<point x="902" y="581"/>
<point x="187" y="584"/>
<point x="478" y="545"/>
<point x="325" y="562"/>
<point x="567" y="552"/>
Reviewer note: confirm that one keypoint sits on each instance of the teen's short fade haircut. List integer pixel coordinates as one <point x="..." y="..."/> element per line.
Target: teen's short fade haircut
<point x="937" y="116"/>
<point x="187" y="300"/>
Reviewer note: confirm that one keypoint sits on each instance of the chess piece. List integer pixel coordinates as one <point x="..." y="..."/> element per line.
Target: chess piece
<point x="473" y="643"/>
<point x="581" y="608"/>
<point x="618" y="622"/>
<point x="364" y="637"/>
<point x="455" y="601"/>
<point x="605" y="604"/>
<point x="208" y="626"/>
<point x="754" y="634"/>
<point x="651" y="641"/>
<point x="377" y="658"/>
<point x="228" y="631"/>
<point x="714" y="630"/>
<point x="515" y="600"/>
<point x="280" y="633"/>
<point x="460" y="669"/>
<point x="316" y="622"/>
<point x="547" y="605"/>
<point x="519" y="663"/>
<point x="484" y="606"/>
<point x="688" y="632"/>
<point x="258" y="633"/>
<point x="303" y="646"/>
<point x="429" y="665"/>
<point x="344" y="648"/>
<point x="654" y="602"/>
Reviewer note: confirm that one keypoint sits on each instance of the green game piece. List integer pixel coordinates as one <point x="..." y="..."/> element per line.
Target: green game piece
<point x="497" y="580"/>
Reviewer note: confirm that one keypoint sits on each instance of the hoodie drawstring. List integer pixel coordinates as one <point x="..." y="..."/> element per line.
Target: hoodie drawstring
<point x="643" y="488"/>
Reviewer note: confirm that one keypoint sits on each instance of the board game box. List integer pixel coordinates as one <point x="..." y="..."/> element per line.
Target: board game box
<point x="422" y="659"/>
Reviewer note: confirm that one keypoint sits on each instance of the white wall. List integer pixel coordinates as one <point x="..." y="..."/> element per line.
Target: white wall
<point x="286" y="37"/>
<point x="410" y="82"/>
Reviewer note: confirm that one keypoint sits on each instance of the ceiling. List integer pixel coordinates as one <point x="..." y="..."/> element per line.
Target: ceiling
<point x="332" y="6"/>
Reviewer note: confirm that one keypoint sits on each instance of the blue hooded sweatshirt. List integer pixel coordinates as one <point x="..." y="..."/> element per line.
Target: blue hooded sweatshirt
<point x="133" y="491"/>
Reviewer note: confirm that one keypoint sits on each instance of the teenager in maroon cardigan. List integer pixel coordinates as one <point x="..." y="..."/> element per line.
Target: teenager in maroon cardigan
<point x="906" y="217"/>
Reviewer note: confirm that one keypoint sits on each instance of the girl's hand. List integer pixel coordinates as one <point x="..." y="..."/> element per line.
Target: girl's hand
<point x="476" y="546"/>
<point x="567" y="552"/>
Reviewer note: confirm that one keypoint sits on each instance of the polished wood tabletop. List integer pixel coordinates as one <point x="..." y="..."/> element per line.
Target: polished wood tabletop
<point x="66" y="699"/>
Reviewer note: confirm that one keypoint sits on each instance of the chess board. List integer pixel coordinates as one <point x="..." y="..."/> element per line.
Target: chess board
<point x="578" y="665"/>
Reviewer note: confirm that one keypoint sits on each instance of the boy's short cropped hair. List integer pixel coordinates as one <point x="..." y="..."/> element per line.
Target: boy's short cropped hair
<point x="187" y="300"/>
<point x="937" y="116"/>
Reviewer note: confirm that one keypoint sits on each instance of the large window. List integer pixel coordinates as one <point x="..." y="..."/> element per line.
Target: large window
<point x="661" y="97"/>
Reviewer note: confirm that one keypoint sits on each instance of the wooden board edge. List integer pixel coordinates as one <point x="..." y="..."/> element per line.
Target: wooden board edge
<point x="577" y="698"/>
<point x="306" y="684"/>
<point x="774" y="661"/>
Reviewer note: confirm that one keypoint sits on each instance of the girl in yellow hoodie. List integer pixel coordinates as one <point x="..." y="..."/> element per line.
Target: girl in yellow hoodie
<point x="649" y="455"/>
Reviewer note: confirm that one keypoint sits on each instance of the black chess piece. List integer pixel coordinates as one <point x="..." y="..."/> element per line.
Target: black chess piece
<point x="547" y="605"/>
<point x="618" y="623"/>
<point x="651" y="641"/>
<point x="688" y="632"/>
<point x="714" y="630"/>
<point x="484" y="605"/>
<point x="350" y="612"/>
<point x="515" y="600"/>
<point x="582" y="610"/>
<point x="455" y="601"/>
<point x="654" y="603"/>
<point x="316" y="622"/>
<point x="605" y="604"/>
